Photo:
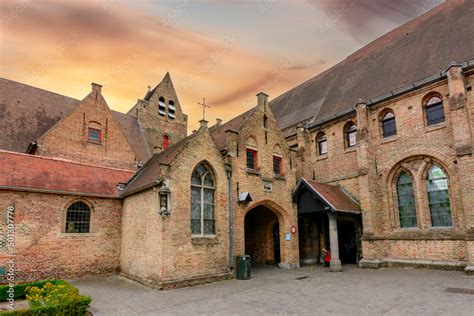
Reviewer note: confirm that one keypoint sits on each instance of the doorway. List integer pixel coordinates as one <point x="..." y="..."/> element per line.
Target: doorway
<point x="262" y="236"/>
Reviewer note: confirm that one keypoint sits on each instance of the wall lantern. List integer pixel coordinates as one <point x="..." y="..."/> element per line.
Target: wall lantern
<point x="164" y="199"/>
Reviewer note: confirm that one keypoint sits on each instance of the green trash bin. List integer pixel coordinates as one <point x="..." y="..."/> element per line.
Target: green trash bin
<point x="243" y="267"/>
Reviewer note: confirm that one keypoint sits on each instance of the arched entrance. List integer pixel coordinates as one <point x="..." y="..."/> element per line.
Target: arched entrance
<point x="262" y="236"/>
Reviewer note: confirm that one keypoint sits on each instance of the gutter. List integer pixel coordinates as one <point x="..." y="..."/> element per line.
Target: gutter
<point x="231" y="241"/>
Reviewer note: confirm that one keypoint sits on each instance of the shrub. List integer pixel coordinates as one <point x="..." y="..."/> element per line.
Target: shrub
<point x="49" y="297"/>
<point x="20" y="288"/>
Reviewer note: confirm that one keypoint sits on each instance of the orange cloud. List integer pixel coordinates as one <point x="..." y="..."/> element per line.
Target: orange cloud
<point x="63" y="46"/>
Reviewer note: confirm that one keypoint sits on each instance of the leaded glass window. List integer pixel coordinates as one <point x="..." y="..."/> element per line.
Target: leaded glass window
<point x="202" y="201"/>
<point x="78" y="218"/>
<point x="438" y="197"/>
<point x="406" y="201"/>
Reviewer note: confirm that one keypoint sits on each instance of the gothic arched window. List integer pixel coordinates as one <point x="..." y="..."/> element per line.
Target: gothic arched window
<point x="434" y="110"/>
<point x="406" y="201"/>
<point x="321" y="144"/>
<point x="202" y="201"/>
<point x="388" y="124"/>
<point x="78" y="218"/>
<point x="438" y="197"/>
<point x="350" y="132"/>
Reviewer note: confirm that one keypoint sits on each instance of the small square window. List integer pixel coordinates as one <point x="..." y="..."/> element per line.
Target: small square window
<point x="94" y="135"/>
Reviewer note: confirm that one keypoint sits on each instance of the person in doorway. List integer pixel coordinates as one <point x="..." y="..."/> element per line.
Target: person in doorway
<point x="327" y="257"/>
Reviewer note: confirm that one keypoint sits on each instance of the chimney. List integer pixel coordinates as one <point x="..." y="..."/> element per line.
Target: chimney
<point x="96" y="88"/>
<point x="262" y="99"/>
<point x="218" y="121"/>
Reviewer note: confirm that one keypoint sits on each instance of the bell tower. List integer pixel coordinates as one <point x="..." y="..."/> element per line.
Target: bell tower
<point x="160" y="115"/>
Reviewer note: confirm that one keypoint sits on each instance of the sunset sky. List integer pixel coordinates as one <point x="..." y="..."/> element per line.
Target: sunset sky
<point x="224" y="50"/>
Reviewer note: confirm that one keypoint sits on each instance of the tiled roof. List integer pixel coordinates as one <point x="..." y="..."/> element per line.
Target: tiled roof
<point x="334" y="196"/>
<point x="414" y="51"/>
<point x="28" y="172"/>
<point x="27" y="112"/>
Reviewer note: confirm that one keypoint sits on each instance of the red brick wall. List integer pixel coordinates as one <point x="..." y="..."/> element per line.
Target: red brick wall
<point x="68" y="138"/>
<point x="368" y="173"/>
<point x="44" y="251"/>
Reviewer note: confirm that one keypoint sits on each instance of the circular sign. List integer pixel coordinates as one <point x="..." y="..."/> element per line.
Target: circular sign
<point x="293" y="230"/>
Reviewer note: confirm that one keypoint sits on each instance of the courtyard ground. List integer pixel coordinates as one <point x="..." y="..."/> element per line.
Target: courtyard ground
<point x="294" y="292"/>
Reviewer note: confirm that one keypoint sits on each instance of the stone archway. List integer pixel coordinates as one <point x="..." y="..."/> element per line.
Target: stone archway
<point x="262" y="236"/>
<point x="288" y="243"/>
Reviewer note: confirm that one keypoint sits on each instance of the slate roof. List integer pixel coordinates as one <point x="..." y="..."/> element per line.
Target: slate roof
<point x="27" y="112"/>
<point x="332" y="195"/>
<point x="414" y="51"/>
<point x="29" y="172"/>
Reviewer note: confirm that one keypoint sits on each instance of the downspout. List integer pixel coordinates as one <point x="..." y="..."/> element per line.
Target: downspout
<point x="231" y="242"/>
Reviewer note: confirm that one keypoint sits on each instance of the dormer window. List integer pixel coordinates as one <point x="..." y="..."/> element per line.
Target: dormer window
<point x="161" y="106"/>
<point x="171" y="109"/>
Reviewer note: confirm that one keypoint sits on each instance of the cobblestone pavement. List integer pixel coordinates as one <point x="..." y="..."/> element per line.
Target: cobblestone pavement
<point x="314" y="291"/>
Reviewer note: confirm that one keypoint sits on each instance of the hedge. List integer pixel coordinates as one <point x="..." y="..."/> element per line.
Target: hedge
<point x="20" y="288"/>
<point x="76" y="308"/>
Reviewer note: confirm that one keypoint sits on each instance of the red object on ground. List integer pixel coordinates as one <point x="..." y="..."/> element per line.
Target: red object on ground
<point x="327" y="257"/>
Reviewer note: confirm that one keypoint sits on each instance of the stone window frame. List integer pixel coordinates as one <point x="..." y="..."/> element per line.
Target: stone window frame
<point x="202" y="187"/>
<point x="426" y="104"/>
<point x="382" y="118"/>
<point x="319" y="139"/>
<point x="65" y="209"/>
<point x="346" y="131"/>
<point x="422" y="165"/>
<point x="394" y="199"/>
<point x="162" y="108"/>
<point x="424" y="196"/>
<point x="252" y="146"/>
<point x="277" y="153"/>
<point x="171" y="109"/>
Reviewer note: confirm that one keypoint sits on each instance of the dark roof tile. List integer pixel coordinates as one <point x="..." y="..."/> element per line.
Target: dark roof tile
<point x="412" y="52"/>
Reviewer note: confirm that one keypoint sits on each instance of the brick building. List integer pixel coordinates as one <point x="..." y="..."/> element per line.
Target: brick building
<point x="372" y="159"/>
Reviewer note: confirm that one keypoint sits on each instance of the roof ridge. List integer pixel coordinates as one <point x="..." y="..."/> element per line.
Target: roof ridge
<point x="37" y="88"/>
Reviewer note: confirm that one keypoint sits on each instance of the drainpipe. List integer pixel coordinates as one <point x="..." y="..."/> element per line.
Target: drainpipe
<point x="231" y="242"/>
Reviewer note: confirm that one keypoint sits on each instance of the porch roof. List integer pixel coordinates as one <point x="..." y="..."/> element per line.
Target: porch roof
<point x="332" y="196"/>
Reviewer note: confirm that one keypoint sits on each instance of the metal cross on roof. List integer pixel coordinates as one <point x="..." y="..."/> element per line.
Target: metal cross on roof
<point x="204" y="106"/>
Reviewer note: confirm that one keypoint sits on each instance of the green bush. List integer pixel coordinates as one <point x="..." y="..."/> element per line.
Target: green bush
<point x="77" y="306"/>
<point x="20" y="288"/>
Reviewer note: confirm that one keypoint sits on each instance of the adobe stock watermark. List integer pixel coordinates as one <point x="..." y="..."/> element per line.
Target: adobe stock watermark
<point x="10" y="247"/>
